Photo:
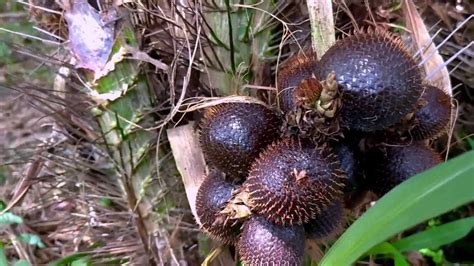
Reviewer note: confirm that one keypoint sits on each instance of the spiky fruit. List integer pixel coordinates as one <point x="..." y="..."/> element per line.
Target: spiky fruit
<point x="233" y="134"/>
<point x="213" y="194"/>
<point x="297" y="81"/>
<point x="388" y="166"/>
<point x="265" y="243"/>
<point x="326" y="224"/>
<point x="292" y="181"/>
<point x="432" y="118"/>
<point x="380" y="81"/>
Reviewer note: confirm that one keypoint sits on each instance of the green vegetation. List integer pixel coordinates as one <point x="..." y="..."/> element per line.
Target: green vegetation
<point x="422" y="197"/>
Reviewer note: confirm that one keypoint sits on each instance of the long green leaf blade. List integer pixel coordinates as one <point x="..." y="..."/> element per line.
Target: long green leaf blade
<point x="424" y="196"/>
<point x="437" y="236"/>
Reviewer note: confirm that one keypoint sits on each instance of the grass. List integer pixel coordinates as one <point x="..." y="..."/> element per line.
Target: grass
<point x="14" y="66"/>
<point x="429" y="194"/>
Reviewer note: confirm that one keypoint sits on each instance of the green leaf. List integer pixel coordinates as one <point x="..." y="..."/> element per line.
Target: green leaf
<point x="438" y="236"/>
<point x="10" y="218"/>
<point x="4" y="50"/>
<point x="3" y="258"/>
<point x="423" y="196"/>
<point x="81" y="262"/>
<point x="470" y="141"/>
<point x="22" y="263"/>
<point x="32" y="239"/>
<point x="69" y="259"/>
<point x="387" y="248"/>
<point x="105" y="202"/>
<point x="436" y="255"/>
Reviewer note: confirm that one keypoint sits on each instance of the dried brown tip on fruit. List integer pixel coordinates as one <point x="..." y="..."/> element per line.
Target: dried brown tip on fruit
<point x="388" y="166"/>
<point x="213" y="195"/>
<point x="306" y="93"/>
<point x="432" y="119"/>
<point x="291" y="182"/>
<point x="265" y="243"/>
<point x="238" y="206"/>
<point x="315" y="118"/>
<point x="298" y="71"/>
<point x="329" y="100"/>
<point x="233" y="134"/>
<point x="379" y="80"/>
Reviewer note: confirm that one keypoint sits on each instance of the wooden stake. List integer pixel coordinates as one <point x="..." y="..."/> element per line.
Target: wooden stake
<point x="321" y="18"/>
<point x="189" y="160"/>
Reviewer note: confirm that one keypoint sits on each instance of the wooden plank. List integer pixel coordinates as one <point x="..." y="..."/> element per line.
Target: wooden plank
<point x="189" y="160"/>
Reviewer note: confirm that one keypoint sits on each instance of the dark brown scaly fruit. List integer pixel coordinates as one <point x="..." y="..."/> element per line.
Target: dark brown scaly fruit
<point x="265" y="243"/>
<point x="298" y="72"/>
<point x="379" y="80"/>
<point x="349" y="155"/>
<point x="213" y="195"/>
<point x="349" y="164"/>
<point x="292" y="181"/>
<point x="388" y="166"/>
<point x="326" y="224"/>
<point x="432" y="118"/>
<point x="233" y="134"/>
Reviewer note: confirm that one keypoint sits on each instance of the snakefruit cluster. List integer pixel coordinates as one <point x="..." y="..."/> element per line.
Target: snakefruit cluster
<point x="285" y="172"/>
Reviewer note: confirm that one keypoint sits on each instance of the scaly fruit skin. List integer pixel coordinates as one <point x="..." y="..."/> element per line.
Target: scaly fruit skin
<point x="432" y="118"/>
<point x="265" y="243"/>
<point x="233" y="134"/>
<point x="388" y="166"/>
<point x="297" y="69"/>
<point x="380" y="81"/>
<point x="349" y="164"/>
<point x="326" y="224"/>
<point x="213" y="194"/>
<point x="292" y="181"/>
<point x="349" y="155"/>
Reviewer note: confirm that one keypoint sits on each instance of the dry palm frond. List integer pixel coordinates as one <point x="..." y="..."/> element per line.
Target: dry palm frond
<point x="67" y="180"/>
<point x="71" y="202"/>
